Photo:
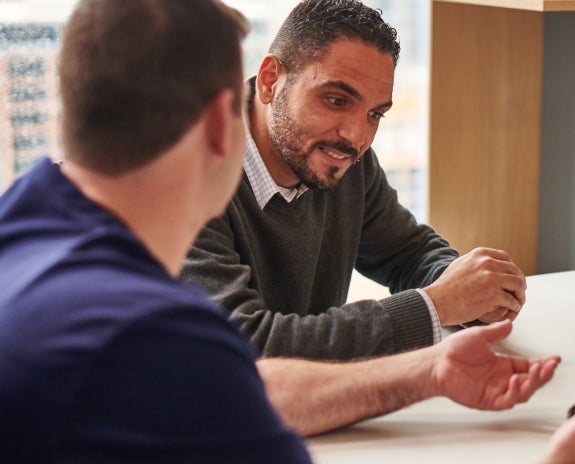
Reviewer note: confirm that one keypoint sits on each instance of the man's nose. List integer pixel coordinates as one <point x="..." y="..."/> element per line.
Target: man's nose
<point x="355" y="132"/>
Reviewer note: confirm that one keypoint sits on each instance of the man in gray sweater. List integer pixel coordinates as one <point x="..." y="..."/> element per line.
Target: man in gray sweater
<point x="314" y="204"/>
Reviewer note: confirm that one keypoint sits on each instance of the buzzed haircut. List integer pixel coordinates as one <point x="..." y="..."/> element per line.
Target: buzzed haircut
<point x="313" y="25"/>
<point x="135" y="75"/>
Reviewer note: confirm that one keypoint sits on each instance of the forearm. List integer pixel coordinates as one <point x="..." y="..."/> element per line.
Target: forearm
<point x="315" y="397"/>
<point x="356" y="330"/>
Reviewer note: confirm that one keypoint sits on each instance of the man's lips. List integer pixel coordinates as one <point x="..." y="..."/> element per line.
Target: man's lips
<point x="339" y="152"/>
<point x="333" y="154"/>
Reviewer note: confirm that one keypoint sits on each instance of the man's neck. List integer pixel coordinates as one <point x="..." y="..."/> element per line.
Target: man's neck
<point x="146" y="206"/>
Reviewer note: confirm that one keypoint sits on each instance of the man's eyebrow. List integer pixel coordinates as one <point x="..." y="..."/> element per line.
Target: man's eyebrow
<point x="354" y="93"/>
<point x="346" y="88"/>
<point x="385" y="106"/>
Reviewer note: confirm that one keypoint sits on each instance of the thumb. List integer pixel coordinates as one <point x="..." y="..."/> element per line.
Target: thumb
<point x="497" y="331"/>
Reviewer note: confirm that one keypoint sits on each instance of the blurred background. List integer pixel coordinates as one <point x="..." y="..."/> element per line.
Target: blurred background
<point x="29" y="106"/>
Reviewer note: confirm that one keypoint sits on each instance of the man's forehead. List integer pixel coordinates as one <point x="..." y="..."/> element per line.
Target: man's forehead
<point x="343" y="46"/>
<point x="363" y="73"/>
<point x="353" y="57"/>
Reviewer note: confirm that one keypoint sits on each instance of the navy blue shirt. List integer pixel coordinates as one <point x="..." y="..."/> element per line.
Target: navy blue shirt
<point x="104" y="358"/>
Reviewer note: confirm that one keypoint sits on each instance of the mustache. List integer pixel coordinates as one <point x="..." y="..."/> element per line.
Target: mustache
<point x="340" y="146"/>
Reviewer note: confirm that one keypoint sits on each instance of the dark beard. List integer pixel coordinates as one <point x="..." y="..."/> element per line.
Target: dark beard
<point x="286" y="136"/>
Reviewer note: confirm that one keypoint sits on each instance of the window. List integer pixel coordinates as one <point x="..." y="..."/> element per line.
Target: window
<point x="29" y="106"/>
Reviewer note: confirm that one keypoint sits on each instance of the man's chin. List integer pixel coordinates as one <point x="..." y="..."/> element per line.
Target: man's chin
<point x="327" y="179"/>
<point x="321" y="184"/>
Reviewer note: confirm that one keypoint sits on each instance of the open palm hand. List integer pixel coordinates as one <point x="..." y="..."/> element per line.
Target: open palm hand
<point x="470" y="373"/>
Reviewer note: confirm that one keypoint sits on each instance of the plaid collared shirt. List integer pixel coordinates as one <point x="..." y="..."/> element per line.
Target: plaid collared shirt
<point x="263" y="186"/>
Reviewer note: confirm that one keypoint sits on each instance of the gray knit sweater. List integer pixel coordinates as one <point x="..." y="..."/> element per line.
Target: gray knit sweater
<point x="283" y="272"/>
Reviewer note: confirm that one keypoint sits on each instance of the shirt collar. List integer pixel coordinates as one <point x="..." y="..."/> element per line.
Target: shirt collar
<point x="261" y="181"/>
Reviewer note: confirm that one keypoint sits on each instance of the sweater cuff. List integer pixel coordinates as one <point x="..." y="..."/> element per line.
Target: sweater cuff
<point x="410" y="319"/>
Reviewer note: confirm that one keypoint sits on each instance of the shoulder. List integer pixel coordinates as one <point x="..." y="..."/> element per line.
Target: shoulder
<point x="185" y="373"/>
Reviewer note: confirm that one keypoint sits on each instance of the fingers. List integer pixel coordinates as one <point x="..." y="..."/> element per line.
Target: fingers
<point x="533" y="382"/>
<point x="519" y="389"/>
<point x="520" y="365"/>
<point x="507" y="304"/>
<point x="510" y="276"/>
<point x="497" y="260"/>
<point x="523" y="384"/>
<point x="500" y="255"/>
<point x="540" y="372"/>
<point x="503" y="282"/>
<point x="476" y="284"/>
<point x="548" y="367"/>
<point x="497" y="315"/>
<point x="515" y="286"/>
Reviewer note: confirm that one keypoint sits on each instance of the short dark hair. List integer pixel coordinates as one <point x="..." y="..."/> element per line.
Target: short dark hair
<point x="135" y="75"/>
<point x="313" y="25"/>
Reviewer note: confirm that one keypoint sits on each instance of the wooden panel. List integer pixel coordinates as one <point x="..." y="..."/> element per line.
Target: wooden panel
<point x="559" y="5"/>
<point x="534" y="5"/>
<point x="485" y="136"/>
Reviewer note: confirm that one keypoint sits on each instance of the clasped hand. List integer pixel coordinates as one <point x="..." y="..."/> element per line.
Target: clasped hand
<point x="482" y="285"/>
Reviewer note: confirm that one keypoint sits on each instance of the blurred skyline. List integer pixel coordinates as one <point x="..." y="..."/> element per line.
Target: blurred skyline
<point x="19" y="11"/>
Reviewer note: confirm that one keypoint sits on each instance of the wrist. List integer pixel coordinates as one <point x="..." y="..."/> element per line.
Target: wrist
<point x="421" y="368"/>
<point x="436" y="386"/>
<point x="435" y="297"/>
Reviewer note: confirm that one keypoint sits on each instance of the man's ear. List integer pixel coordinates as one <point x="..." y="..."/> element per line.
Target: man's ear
<point x="268" y="77"/>
<point x="219" y="114"/>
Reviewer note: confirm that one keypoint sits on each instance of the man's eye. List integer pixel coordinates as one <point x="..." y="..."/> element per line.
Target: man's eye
<point x="377" y="115"/>
<point x="335" y="101"/>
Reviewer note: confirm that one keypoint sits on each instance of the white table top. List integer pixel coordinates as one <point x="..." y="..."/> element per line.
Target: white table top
<point x="440" y="431"/>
